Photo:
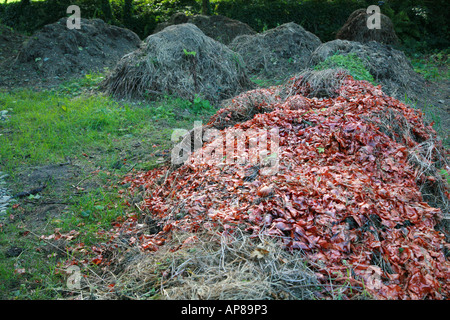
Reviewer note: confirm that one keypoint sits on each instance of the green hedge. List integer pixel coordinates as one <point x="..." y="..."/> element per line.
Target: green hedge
<point x="422" y="25"/>
<point x="145" y="14"/>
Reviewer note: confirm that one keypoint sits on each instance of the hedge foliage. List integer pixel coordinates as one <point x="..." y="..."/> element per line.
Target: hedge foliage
<point x="420" y="24"/>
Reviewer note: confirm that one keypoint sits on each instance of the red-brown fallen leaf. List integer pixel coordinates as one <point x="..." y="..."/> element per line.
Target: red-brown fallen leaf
<point x="268" y="219"/>
<point x="97" y="260"/>
<point x="300" y="245"/>
<point x="283" y="226"/>
<point x="20" y="271"/>
<point x="264" y="191"/>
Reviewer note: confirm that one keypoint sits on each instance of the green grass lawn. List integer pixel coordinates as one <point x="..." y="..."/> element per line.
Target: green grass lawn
<point x="98" y="134"/>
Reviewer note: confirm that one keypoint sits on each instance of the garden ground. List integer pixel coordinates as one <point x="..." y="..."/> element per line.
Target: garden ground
<point x="78" y="143"/>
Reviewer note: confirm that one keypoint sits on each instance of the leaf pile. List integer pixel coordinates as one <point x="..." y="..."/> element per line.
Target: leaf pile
<point x="344" y="194"/>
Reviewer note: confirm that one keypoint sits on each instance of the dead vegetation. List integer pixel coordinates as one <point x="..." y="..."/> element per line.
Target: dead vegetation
<point x="360" y="143"/>
<point x="427" y="156"/>
<point x="244" y="107"/>
<point x="208" y="265"/>
<point x="318" y="83"/>
<point x="308" y="84"/>
<point x="182" y="61"/>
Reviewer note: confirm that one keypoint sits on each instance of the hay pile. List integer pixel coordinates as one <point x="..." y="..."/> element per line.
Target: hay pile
<point x="308" y="84"/>
<point x="355" y="29"/>
<point x="318" y="83"/>
<point x="56" y="50"/>
<point x="180" y="60"/>
<point x="279" y="52"/>
<point x="218" y="27"/>
<point x="244" y="107"/>
<point x="389" y="67"/>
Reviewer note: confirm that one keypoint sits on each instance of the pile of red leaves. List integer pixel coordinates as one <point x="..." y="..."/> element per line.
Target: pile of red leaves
<point x="344" y="194"/>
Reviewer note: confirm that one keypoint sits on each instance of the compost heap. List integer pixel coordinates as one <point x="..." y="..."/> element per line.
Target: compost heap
<point x="279" y="52"/>
<point x="355" y="29"/>
<point x="56" y="50"/>
<point x="343" y="193"/>
<point x="179" y="60"/>
<point x="388" y="66"/>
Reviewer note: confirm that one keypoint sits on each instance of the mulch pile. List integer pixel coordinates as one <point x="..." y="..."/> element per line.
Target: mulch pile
<point x="58" y="51"/>
<point x="279" y="52"/>
<point x="182" y="61"/>
<point x="343" y="193"/>
<point x="388" y="66"/>
<point x="355" y="29"/>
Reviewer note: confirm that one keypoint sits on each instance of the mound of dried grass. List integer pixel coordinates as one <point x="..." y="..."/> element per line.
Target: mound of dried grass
<point x="182" y="61"/>
<point x="429" y="159"/>
<point x="317" y="83"/>
<point x="355" y="29"/>
<point x="210" y="266"/>
<point x="244" y="107"/>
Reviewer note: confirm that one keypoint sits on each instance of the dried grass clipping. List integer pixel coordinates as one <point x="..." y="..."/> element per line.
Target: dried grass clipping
<point x="317" y="83"/>
<point x="210" y="266"/>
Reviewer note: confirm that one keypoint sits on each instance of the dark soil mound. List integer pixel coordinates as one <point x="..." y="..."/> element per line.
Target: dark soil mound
<point x="180" y="60"/>
<point x="220" y="28"/>
<point x="7" y="35"/>
<point x="389" y="67"/>
<point x="9" y="40"/>
<point x="355" y="29"/>
<point x="56" y="50"/>
<point x="279" y="52"/>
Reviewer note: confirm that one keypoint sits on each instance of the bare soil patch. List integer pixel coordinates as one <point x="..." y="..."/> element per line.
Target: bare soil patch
<point x="56" y="195"/>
